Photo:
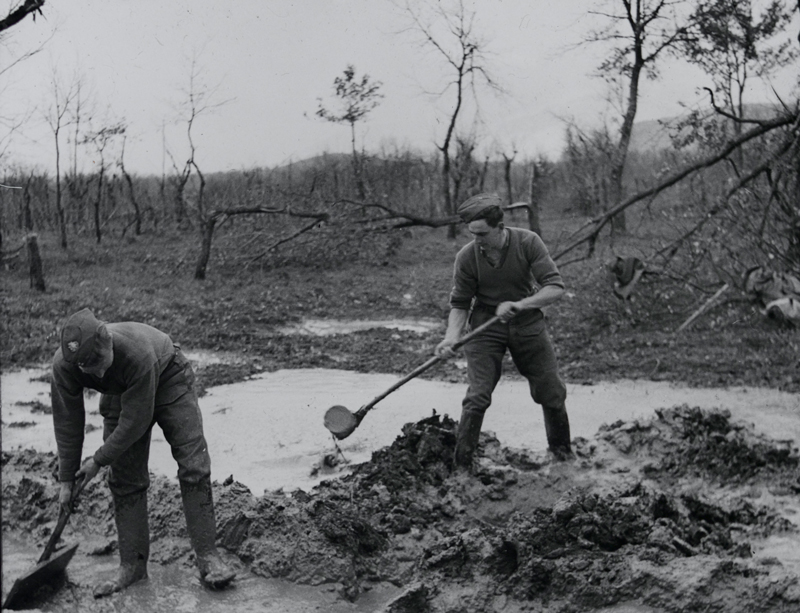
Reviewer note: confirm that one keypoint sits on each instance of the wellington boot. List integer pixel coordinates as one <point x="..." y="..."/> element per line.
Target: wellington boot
<point x="198" y="506"/>
<point x="556" y="425"/>
<point x="133" y="535"/>
<point x="467" y="436"/>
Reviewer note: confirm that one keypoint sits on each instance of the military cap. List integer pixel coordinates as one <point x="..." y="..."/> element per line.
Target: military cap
<point x="472" y="207"/>
<point x="79" y="336"/>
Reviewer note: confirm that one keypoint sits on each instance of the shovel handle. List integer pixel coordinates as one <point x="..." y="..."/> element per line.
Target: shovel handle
<point x="423" y="367"/>
<point x="63" y="516"/>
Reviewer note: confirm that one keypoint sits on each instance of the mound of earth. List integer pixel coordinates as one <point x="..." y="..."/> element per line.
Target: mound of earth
<point x="658" y="513"/>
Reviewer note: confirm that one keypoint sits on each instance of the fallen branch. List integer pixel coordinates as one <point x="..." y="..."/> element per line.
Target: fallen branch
<point x="410" y="219"/>
<point x="702" y="309"/>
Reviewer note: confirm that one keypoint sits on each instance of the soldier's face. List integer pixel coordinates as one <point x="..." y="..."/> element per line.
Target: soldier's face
<point x="485" y="235"/>
<point x="100" y="361"/>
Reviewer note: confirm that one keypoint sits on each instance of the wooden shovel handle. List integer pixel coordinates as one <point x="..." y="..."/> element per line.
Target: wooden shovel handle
<point x="63" y="516"/>
<point x="423" y="367"/>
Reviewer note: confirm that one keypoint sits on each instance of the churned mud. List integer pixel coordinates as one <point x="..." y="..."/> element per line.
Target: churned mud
<point x="668" y="514"/>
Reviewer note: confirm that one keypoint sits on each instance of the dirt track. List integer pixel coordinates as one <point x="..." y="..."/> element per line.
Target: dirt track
<point x="659" y="513"/>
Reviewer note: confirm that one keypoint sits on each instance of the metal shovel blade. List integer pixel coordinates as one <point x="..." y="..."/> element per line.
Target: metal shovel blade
<point x="40" y="575"/>
<point x="341" y="422"/>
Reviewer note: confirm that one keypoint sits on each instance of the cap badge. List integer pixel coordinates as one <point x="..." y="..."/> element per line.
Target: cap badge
<point x="73" y="346"/>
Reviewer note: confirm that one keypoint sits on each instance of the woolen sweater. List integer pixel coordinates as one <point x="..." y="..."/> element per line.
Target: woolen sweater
<point x="140" y="374"/>
<point x="525" y="264"/>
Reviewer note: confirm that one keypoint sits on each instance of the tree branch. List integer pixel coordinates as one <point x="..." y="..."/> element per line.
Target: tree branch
<point x="599" y="222"/>
<point x="26" y="8"/>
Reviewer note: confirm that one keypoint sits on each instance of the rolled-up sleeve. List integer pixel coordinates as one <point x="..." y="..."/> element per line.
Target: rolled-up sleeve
<point x="543" y="267"/>
<point x="465" y="282"/>
<point x="69" y="420"/>
<point x="136" y="416"/>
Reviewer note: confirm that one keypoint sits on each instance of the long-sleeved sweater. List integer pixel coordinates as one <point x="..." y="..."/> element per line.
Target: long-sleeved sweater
<point x="140" y="374"/>
<point x="526" y="264"/>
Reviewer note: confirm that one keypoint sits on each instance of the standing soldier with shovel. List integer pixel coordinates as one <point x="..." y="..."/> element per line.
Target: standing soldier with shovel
<point x="144" y="379"/>
<point x="497" y="274"/>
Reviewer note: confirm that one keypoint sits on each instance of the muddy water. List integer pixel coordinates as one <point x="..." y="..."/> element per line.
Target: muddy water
<point x="267" y="432"/>
<point x="177" y="588"/>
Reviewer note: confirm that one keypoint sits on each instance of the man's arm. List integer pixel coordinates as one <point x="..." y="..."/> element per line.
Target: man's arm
<point x="135" y="417"/>
<point x="544" y="297"/>
<point x="69" y="420"/>
<point x="455" y="325"/>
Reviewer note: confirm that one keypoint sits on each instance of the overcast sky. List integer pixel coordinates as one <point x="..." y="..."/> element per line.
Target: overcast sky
<point x="265" y="63"/>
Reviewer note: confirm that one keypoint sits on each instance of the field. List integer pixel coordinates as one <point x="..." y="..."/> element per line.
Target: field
<point x="597" y="336"/>
<point x="657" y="515"/>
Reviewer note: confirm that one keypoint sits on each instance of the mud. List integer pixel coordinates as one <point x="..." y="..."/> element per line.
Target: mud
<point x="665" y="514"/>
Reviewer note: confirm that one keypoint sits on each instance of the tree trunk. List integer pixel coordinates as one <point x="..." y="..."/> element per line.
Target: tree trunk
<point x="449" y="207"/>
<point x="507" y="161"/>
<point x="35" y="261"/>
<point x="97" y="201"/>
<point x="205" y="247"/>
<point x="357" y="175"/>
<point x="534" y="222"/>
<point x="62" y="221"/>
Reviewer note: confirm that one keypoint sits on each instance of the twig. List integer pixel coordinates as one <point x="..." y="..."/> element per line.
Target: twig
<point x="703" y="308"/>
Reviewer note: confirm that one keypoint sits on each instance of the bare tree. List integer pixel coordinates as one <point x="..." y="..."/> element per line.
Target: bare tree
<point x="137" y="218"/>
<point x="640" y="31"/>
<point x="199" y="100"/>
<point x="56" y="117"/>
<point x="357" y="98"/>
<point x="463" y="51"/>
<point x="101" y="139"/>
<point x="731" y="45"/>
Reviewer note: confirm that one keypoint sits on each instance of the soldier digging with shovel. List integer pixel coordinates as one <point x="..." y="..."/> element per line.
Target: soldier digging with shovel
<point x="144" y="380"/>
<point x="498" y="273"/>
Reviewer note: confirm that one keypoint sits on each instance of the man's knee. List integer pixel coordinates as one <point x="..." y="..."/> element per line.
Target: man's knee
<point x="550" y="392"/>
<point x="194" y="462"/>
<point x="122" y="484"/>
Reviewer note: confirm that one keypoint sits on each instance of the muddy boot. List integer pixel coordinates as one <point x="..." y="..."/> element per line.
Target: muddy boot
<point x="133" y="535"/>
<point x="198" y="506"/>
<point x="467" y="435"/>
<point x="556" y="424"/>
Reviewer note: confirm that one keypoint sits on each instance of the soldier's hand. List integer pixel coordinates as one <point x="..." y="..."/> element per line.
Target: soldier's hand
<point x="445" y="348"/>
<point x="65" y="496"/>
<point x="507" y="310"/>
<point x="87" y="471"/>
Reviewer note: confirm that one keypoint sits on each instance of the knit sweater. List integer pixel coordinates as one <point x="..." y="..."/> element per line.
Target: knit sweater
<point x="140" y="374"/>
<point x="524" y="265"/>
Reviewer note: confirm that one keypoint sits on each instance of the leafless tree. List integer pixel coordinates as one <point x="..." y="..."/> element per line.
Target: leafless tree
<point x="101" y="139"/>
<point x="56" y="117"/>
<point x="464" y="53"/>
<point x="641" y="32"/>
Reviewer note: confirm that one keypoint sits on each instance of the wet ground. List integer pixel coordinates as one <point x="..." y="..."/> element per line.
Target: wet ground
<point x="268" y="434"/>
<point x="679" y="499"/>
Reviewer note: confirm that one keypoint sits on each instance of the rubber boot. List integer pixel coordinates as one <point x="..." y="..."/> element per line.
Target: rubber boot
<point x="133" y="535"/>
<point x="198" y="507"/>
<point x="556" y="425"/>
<point x="467" y="435"/>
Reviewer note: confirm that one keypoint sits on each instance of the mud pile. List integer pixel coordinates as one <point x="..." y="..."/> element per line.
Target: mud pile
<point x="659" y="513"/>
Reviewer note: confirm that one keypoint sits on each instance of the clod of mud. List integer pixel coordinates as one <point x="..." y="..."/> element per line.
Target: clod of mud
<point x="660" y="513"/>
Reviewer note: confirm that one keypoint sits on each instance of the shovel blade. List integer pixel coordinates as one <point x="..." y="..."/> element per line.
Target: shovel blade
<point x="340" y="421"/>
<point x="40" y="575"/>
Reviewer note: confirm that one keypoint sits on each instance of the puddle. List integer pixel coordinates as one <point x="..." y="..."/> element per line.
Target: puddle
<point x="267" y="432"/>
<point x="177" y="587"/>
<point x="327" y="327"/>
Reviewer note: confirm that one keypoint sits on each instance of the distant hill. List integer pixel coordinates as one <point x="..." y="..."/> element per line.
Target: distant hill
<point x="653" y="135"/>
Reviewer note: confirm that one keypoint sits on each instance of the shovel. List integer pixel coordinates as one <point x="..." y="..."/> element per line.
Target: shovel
<point x="46" y="568"/>
<point x="342" y="423"/>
